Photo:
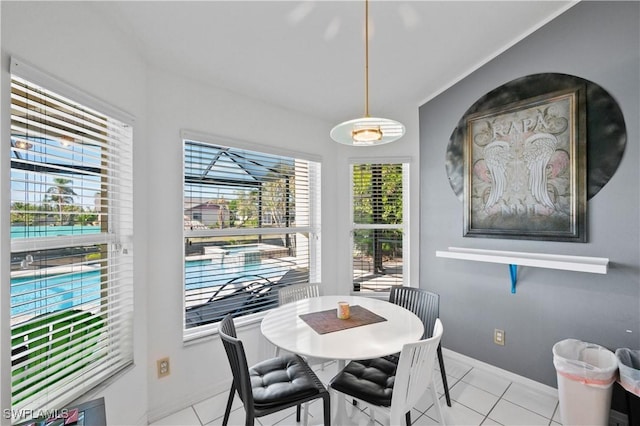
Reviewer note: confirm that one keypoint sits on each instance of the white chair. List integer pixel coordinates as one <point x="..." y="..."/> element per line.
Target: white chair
<point x="293" y="293"/>
<point x="369" y="380"/>
<point x="426" y="305"/>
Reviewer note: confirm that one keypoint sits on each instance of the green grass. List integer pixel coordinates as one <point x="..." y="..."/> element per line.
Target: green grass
<point x="55" y="345"/>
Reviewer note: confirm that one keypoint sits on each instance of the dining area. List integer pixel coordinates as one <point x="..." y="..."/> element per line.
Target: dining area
<point x="383" y="354"/>
<point x="469" y="392"/>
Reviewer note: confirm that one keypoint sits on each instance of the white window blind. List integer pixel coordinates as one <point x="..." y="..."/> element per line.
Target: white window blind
<point x="378" y="233"/>
<point x="251" y="222"/>
<point x="71" y="254"/>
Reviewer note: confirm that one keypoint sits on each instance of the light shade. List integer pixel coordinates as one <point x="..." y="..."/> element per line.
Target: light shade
<point x="367" y="131"/>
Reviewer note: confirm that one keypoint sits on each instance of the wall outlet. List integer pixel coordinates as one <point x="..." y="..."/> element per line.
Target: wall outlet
<point x="163" y="367"/>
<point x="498" y="337"/>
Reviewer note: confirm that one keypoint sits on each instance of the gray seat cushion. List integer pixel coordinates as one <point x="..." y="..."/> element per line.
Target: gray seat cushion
<point x="280" y="380"/>
<point x="370" y="380"/>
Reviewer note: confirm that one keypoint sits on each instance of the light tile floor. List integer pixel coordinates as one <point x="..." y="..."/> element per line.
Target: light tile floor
<point x="478" y="397"/>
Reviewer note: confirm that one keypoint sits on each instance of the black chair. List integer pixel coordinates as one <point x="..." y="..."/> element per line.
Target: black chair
<point x="271" y="385"/>
<point x="426" y="305"/>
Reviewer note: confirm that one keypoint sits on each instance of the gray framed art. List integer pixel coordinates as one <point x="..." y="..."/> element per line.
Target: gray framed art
<point x="605" y="134"/>
<point x="525" y="168"/>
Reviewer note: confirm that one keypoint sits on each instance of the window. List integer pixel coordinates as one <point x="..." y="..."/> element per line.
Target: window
<point x="251" y="225"/>
<point x="71" y="231"/>
<point x="378" y="235"/>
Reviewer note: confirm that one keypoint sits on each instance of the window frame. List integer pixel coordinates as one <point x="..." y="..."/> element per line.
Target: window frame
<point x="405" y="162"/>
<point x="118" y="236"/>
<point x="313" y="228"/>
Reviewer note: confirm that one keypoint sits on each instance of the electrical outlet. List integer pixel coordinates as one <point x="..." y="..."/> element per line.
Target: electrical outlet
<point x="163" y="367"/>
<point x="498" y="337"/>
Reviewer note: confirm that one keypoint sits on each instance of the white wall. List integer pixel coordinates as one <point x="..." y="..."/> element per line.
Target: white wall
<point x="72" y="41"/>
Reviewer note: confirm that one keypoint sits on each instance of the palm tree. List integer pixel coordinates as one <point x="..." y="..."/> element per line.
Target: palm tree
<point x="60" y="194"/>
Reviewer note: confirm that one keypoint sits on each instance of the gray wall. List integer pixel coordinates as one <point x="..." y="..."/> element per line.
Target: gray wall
<point x="596" y="41"/>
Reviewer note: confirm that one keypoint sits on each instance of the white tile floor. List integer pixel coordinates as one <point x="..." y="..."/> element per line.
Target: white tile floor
<point x="478" y="396"/>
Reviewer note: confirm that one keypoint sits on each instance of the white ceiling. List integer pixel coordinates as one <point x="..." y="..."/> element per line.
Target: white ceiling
<point x="309" y="55"/>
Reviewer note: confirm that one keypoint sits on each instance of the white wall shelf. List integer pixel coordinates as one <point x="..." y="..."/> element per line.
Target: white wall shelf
<point x="594" y="265"/>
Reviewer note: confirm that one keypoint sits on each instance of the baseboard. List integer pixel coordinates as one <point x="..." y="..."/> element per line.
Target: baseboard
<point x="616" y="418"/>
<point x="549" y="390"/>
<point x="187" y="401"/>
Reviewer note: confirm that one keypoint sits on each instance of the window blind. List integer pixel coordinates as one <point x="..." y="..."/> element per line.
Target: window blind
<point x="378" y="237"/>
<point x="71" y="253"/>
<point x="250" y="226"/>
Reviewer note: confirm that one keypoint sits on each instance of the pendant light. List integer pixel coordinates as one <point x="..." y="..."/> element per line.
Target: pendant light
<point x="367" y="131"/>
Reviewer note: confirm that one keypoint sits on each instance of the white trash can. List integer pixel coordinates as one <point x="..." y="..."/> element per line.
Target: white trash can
<point x="629" y="365"/>
<point x="586" y="373"/>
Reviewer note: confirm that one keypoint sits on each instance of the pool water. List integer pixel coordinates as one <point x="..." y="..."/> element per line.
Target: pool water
<point x="207" y="273"/>
<point x="53" y="292"/>
<point x="63" y="291"/>
<point x="52" y="231"/>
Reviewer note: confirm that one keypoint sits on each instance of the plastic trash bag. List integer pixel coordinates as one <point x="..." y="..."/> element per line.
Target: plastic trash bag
<point x="629" y="365"/>
<point x="587" y="363"/>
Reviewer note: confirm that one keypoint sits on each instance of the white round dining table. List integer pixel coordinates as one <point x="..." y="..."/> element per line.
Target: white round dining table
<point x="284" y="328"/>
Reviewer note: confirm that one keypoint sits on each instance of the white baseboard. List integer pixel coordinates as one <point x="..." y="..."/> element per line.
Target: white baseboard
<point x="549" y="390"/>
<point x="616" y="418"/>
<point x="187" y="401"/>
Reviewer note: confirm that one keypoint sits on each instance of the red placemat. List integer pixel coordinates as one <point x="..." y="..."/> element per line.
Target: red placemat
<point x="324" y="322"/>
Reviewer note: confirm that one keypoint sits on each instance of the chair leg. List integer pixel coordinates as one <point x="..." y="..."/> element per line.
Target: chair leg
<point x="298" y="413"/>
<point x="227" y="411"/>
<point x="250" y="420"/>
<point x="326" y="404"/>
<point x="306" y="413"/>
<point x="408" y="418"/>
<point x="444" y="376"/>
<point x="436" y="400"/>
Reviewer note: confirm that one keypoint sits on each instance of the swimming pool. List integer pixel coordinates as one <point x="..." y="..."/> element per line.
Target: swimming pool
<point x="62" y="291"/>
<point x="32" y="231"/>
<point x="53" y="292"/>
<point x="206" y="273"/>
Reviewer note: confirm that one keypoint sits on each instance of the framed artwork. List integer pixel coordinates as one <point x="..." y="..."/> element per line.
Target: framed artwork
<point x="525" y="169"/>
